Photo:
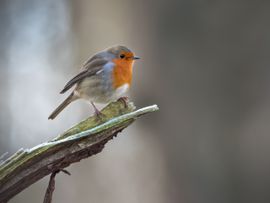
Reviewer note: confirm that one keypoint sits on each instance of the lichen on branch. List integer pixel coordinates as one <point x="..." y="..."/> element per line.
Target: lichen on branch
<point x="81" y="141"/>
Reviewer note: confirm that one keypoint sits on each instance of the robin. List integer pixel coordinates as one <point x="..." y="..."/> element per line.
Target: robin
<point x="105" y="77"/>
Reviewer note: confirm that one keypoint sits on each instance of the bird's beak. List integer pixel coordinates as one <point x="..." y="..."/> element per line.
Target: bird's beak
<point x="136" y="57"/>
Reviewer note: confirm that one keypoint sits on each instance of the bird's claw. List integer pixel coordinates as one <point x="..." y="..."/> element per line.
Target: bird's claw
<point x="124" y="100"/>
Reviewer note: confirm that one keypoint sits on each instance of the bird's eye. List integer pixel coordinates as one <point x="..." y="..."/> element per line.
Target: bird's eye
<point x="122" y="56"/>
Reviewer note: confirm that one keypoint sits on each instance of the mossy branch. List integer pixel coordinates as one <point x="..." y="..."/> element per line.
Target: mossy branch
<point x="81" y="141"/>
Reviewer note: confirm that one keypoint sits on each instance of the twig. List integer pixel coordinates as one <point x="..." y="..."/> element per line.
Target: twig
<point x="2" y="157"/>
<point x="51" y="186"/>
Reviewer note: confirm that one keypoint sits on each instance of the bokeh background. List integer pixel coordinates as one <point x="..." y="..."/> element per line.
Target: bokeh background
<point x="204" y="62"/>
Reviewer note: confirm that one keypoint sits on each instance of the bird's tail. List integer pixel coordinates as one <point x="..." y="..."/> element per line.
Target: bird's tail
<point x="63" y="105"/>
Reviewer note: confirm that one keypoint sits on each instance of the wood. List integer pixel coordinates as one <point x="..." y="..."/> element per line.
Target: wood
<point x="81" y="141"/>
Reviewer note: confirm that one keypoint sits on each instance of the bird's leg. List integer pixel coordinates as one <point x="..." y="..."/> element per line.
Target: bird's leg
<point x="124" y="100"/>
<point x="97" y="112"/>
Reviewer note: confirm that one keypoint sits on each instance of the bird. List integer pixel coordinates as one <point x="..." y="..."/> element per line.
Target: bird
<point x="104" y="77"/>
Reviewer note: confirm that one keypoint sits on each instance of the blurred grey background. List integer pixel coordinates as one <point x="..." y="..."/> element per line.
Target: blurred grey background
<point x="204" y="62"/>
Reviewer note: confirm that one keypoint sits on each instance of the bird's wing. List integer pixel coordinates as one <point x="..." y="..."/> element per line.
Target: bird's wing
<point x="90" y="68"/>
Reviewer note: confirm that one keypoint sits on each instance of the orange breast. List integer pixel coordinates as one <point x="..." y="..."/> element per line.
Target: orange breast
<point x="122" y="72"/>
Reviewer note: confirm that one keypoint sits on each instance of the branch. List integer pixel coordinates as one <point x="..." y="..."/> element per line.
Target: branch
<point x="51" y="186"/>
<point x="83" y="140"/>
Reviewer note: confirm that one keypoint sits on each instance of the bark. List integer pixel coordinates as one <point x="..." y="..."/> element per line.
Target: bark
<point x="81" y="141"/>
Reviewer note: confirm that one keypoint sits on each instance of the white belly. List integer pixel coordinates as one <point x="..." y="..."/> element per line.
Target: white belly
<point x="97" y="93"/>
<point x="120" y="91"/>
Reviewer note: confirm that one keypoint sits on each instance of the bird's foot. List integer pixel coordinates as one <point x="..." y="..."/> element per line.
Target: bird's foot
<point x="98" y="113"/>
<point x="124" y="100"/>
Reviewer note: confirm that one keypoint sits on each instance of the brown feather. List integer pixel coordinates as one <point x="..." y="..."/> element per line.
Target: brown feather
<point x="63" y="105"/>
<point x="89" y="69"/>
